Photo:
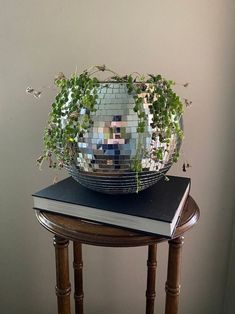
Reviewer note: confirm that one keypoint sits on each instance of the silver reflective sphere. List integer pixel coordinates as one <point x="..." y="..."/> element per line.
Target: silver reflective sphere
<point x="107" y="153"/>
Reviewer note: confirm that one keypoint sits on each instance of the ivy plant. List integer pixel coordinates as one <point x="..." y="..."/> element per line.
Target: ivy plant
<point x="76" y="100"/>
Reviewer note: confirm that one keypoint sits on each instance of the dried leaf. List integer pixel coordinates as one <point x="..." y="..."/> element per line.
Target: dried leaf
<point x="29" y="90"/>
<point x="60" y="76"/>
<point x="37" y="94"/>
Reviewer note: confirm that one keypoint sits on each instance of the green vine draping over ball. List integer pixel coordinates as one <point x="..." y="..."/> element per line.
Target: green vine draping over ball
<point x="75" y="94"/>
<point x="70" y="117"/>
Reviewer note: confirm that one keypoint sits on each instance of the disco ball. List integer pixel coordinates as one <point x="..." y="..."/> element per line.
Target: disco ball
<point x="107" y="153"/>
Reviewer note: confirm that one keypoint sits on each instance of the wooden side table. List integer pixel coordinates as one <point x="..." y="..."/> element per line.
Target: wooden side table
<point x="79" y="231"/>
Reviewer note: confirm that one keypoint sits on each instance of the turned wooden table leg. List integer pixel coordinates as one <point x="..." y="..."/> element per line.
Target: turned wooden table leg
<point x="63" y="287"/>
<point x="173" y="275"/>
<point x="78" y="281"/>
<point x="151" y="278"/>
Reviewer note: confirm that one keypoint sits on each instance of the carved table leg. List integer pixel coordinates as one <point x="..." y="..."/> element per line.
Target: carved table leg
<point x="173" y="275"/>
<point x="78" y="281"/>
<point x="151" y="278"/>
<point x="63" y="287"/>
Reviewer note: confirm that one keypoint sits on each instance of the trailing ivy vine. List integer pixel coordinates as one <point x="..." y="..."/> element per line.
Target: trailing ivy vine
<point x="66" y="123"/>
<point x="70" y="116"/>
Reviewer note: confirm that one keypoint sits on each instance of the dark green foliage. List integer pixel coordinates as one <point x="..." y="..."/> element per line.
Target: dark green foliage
<point x="164" y="105"/>
<point x="80" y="93"/>
<point x="76" y="93"/>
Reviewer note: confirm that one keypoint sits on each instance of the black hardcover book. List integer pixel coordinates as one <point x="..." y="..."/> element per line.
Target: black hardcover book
<point x="154" y="210"/>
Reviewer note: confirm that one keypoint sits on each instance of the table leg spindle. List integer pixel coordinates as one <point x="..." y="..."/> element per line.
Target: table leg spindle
<point x="78" y="280"/>
<point x="173" y="275"/>
<point x="151" y="278"/>
<point x="63" y="287"/>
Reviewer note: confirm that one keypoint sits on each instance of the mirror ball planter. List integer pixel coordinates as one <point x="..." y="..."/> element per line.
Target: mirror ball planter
<point x="107" y="153"/>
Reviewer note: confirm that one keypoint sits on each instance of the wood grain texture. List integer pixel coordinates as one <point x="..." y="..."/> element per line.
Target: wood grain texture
<point x="103" y="235"/>
<point x="78" y="277"/>
<point x="63" y="287"/>
<point x="151" y="278"/>
<point x="173" y="275"/>
<point x="80" y="231"/>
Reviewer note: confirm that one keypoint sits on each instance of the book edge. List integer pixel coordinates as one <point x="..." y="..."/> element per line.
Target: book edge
<point x="99" y="215"/>
<point x="110" y="210"/>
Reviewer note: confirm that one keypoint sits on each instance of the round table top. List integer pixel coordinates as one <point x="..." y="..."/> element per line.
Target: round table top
<point x="87" y="232"/>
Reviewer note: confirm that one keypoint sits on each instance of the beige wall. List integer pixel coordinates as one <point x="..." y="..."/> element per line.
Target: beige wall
<point x="186" y="41"/>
